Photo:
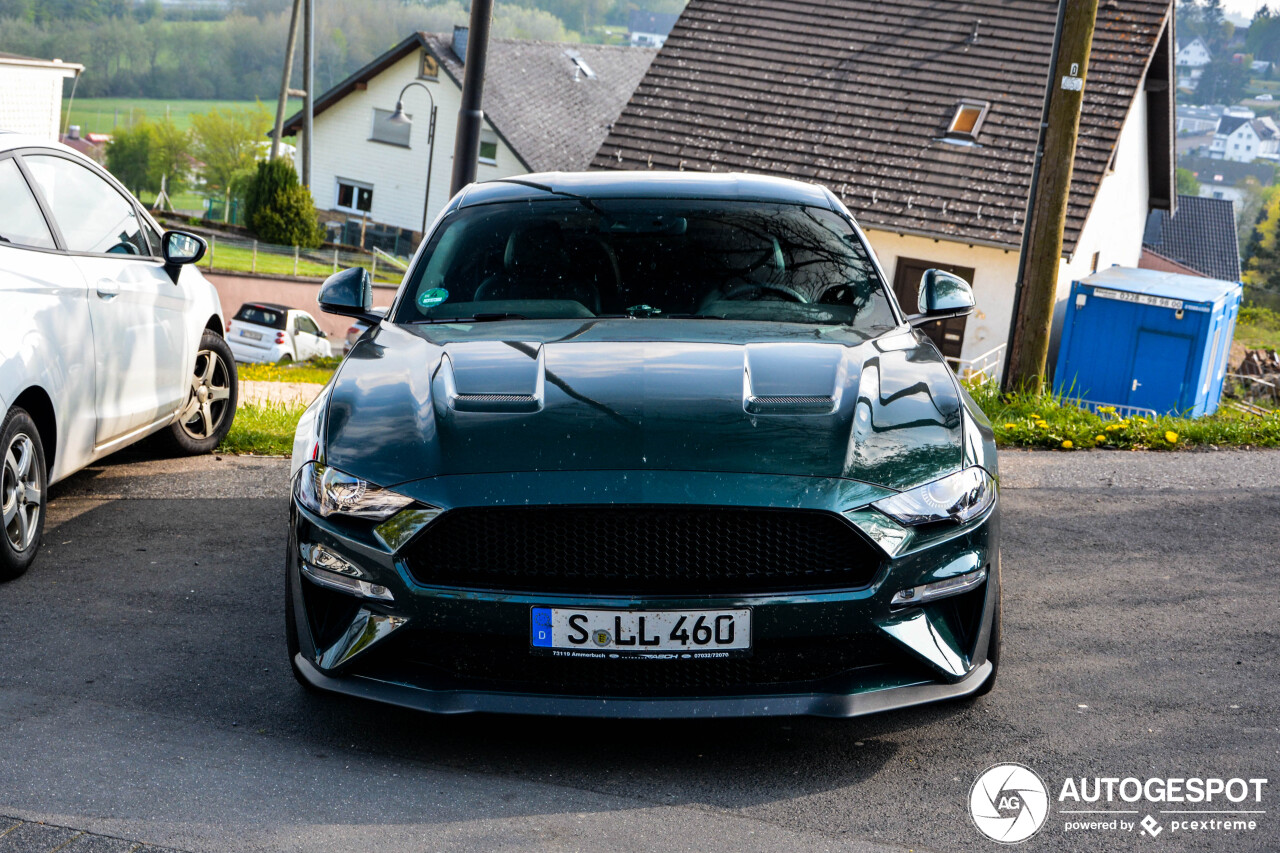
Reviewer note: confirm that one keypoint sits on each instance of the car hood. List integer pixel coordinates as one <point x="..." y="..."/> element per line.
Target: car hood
<point x="633" y="395"/>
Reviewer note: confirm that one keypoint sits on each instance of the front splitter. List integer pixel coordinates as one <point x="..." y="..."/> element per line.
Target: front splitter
<point x="775" y="705"/>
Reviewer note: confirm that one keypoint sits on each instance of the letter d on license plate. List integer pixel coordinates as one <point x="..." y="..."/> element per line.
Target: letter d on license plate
<point x="570" y="632"/>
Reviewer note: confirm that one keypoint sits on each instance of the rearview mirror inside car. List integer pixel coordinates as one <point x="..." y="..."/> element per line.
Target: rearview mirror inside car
<point x="349" y="293"/>
<point x="942" y="295"/>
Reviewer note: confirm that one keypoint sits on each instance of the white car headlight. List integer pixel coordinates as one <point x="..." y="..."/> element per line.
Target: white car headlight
<point x="959" y="497"/>
<point x="329" y="491"/>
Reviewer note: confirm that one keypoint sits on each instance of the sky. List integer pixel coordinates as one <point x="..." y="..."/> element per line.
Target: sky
<point x="1245" y="8"/>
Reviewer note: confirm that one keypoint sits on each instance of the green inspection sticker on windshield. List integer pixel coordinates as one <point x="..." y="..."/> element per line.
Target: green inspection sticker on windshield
<point x="433" y="297"/>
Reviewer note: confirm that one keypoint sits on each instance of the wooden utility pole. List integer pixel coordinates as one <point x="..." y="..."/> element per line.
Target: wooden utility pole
<point x="283" y="103"/>
<point x="1038" y="266"/>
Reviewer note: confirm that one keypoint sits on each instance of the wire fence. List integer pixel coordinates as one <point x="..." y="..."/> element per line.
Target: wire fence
<point x="242" y="254"/>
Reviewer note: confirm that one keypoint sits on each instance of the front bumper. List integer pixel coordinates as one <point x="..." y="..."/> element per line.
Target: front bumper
<point x="830" y="652"/>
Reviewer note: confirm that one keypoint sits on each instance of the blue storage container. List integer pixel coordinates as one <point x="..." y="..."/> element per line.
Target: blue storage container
<point x="1148" y="340"/>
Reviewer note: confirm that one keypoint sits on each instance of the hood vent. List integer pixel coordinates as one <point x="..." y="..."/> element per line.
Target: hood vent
<point x="790" y="405"/>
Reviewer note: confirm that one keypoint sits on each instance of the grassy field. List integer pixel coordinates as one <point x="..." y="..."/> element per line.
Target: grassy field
<point x="317" y="371"/>
<point x="263" y="429"/>
<point x="1054" y="422"/>
<point x="102" y="115"/>
<point x="239" y="259"/>
<point x="1258" y="328"/>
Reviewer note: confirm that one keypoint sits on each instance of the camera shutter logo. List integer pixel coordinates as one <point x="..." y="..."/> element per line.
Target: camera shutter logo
<point x="1009" y="803"/>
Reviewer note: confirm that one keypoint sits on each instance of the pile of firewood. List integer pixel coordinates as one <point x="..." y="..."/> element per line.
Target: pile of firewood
<point x="1260" y="362"/>
<point x="1256" y="381"/>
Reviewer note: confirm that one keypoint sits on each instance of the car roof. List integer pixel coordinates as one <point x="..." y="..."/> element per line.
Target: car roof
<point x="734" y="186"/>
<point x="10" y="140"/>
<point x="271" y="306"/>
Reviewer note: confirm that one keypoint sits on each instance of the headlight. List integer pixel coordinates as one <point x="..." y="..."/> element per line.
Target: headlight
<point x="959" y="497"/>
<point x="328" y="491"/>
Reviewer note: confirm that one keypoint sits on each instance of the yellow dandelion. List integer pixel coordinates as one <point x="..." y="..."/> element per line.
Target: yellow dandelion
<point x="1067" y="445"/>
<point x="1108" y="410"/>
<point x="1099" y="438"/>
<point x="1171" y="437"/>
<point x="1010" y="426"/>
<point x="1042" y="424"/>
<point x="1112" y="427"/>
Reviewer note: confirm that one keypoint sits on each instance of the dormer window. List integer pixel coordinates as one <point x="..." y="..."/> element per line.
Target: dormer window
<point x="966" y="121"/>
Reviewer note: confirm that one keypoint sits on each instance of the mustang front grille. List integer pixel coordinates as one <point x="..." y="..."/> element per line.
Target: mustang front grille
<point x="639" y="550"/>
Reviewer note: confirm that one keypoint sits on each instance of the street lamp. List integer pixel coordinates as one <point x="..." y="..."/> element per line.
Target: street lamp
<point x="399" y="117"/>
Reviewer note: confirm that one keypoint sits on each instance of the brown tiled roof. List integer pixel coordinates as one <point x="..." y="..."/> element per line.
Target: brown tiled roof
<point x="857" y="94"/>
<point x="550" y="112"/>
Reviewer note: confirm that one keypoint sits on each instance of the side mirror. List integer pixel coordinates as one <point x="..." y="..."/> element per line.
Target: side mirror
<point x="179" y="247"/>
<point x="942" y="295"/>
<point x="349" y="293"/>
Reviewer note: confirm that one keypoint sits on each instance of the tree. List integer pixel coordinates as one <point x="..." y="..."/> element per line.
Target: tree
<point x="148" y="154"/>
<point x="227" y="142"/>
<point x="129" y="158"/>
<point x="1187" y="183"/>
<point x="278" y="208"/>
<point x="1223" y="82"/>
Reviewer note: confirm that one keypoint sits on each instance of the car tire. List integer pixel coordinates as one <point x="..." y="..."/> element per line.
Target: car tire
<point x="993" y="650"/>
<point x="285" y="359"/>
<point x="210" y="407"/>
<point x="24" y="482"/>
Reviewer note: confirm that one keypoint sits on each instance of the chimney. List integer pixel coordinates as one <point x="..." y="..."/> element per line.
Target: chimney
<point x="460" y="43"/>
<point x="73" y="132"/>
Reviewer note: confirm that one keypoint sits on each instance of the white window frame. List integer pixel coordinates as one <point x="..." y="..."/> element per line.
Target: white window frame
<point x="487" y="135"/>
<point x="355" y="196"/>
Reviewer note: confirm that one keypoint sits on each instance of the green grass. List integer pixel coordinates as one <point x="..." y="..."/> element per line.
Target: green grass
<point x="1053" y="421"/>
<point x="264" y="429"/>
<point x="1258" y="328"/>
<point x="181" y="201"/>
<point x="105" y="115"/>
<point x="317" y="371"/>
<point x="237" y="259"/>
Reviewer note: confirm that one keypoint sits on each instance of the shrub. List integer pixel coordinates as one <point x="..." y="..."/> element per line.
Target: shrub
<point x="279" y="209"/>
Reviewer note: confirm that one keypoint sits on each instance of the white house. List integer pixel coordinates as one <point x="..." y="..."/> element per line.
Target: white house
<point x="1244" y="140"/>
<point x="547" y="107"/>
<point x="1197" y="120"/>
<point x="649" y="29"/>
<point x="927" y="134"/>
<point x="1190" y="60"/>
<point x="31" y="94"/>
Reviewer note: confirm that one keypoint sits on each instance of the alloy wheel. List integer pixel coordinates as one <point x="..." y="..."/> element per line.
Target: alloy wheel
<point x="208" y="399"/>
<point x="20" y="492"/>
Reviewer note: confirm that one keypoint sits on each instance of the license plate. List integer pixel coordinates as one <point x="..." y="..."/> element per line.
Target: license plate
<point x="669" y="634"/>
<point x="253" y="336"/>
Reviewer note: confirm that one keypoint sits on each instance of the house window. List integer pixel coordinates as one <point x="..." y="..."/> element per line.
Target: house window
<point x="388" y="131"/>
<point x="354" y="196"/>
<point x="966" y="121"/>
<point x="488" y="148"/>
<point x="430" y="68"/>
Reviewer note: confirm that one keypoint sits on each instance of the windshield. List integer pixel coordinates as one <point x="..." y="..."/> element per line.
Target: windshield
<point x="260" y="316"/>
<point x="647" y="258"/>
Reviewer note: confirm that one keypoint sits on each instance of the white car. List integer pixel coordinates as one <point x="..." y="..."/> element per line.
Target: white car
<point x="267" y="332"/>
<point x="108" y="333"/>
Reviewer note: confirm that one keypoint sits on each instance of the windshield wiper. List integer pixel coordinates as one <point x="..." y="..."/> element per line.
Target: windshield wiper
<point x="474" y="318"/>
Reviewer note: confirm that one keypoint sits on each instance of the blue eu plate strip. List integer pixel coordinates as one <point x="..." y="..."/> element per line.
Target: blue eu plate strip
<point x="541" y="627"/>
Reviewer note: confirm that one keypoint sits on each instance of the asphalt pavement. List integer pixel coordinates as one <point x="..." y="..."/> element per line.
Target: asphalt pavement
<point x="145" y="696"/>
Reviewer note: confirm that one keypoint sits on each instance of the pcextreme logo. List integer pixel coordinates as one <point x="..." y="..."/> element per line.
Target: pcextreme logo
<point x="1010" y="803"/>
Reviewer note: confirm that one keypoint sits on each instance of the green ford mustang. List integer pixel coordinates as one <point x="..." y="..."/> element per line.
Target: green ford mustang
<point x="645" y="445"/>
